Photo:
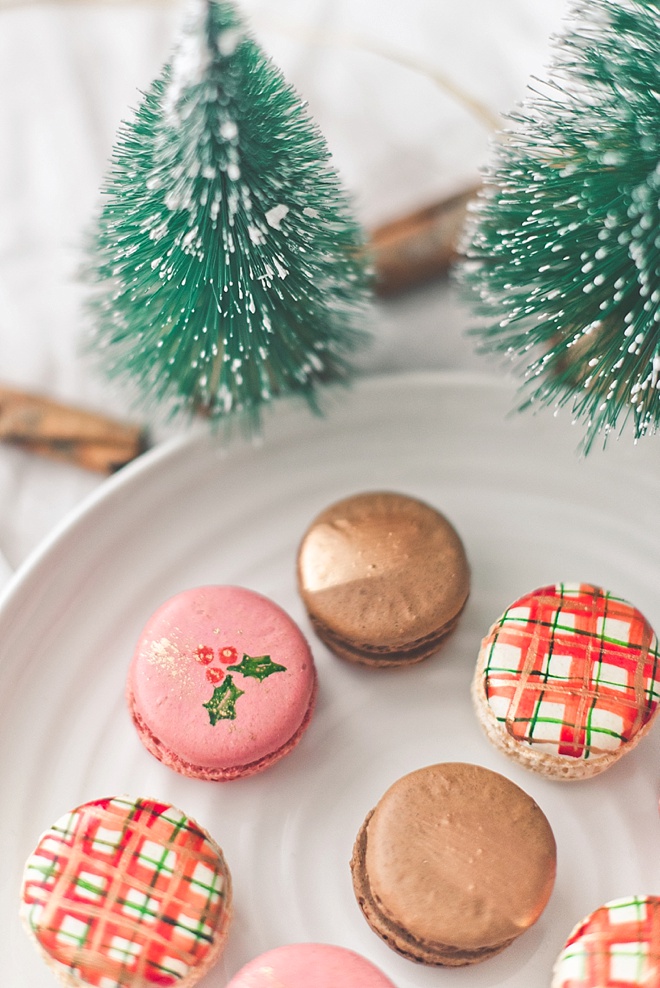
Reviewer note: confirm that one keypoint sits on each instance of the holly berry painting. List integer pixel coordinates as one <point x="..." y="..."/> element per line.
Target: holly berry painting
<point x="222" y="705"/>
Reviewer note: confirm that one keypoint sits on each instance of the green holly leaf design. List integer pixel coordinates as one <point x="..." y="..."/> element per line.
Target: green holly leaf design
<point x="222" y="705"/>
<point x="257" y="667"/>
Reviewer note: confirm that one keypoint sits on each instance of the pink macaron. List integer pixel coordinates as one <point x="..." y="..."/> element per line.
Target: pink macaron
<point x="222" y="683"/>
<point x="299" y="965"/>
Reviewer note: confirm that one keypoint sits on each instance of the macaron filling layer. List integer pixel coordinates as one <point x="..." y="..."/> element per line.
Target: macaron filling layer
<point x="383" y="655"/>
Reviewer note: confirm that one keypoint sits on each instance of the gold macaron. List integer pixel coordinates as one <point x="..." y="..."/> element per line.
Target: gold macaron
<point x="384" y="578"/>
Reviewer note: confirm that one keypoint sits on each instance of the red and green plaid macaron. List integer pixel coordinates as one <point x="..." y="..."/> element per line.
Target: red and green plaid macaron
<point x="617" y="946"/>
<point x="570" y="672"/>
<point x="129" y="893"/>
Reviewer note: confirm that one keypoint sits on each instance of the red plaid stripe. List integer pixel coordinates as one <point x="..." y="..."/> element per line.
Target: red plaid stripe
<point x="617" y="946"/>
<point x="572" y="670"/>
<point x="127" y="893"/>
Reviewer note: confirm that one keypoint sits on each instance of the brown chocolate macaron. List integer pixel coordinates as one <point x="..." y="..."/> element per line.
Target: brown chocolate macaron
<point x="453" y="864"/>
<point x="384" y="578"/>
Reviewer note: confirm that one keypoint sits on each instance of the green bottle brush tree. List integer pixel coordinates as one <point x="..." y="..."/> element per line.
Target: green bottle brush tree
<point x="226" y="267"/>
<point x="563" y="249"/>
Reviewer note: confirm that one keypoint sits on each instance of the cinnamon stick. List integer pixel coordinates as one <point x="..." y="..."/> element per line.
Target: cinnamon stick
<point x="419" y="247"/>
<point x="72" y="435"/>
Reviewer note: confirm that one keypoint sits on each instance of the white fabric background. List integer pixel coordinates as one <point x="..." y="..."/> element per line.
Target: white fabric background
<point x="69" y="73"/>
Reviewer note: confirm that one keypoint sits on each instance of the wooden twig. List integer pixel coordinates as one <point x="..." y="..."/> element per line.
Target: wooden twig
<point x="419" y="247"/>
<point x="72" y="435"/>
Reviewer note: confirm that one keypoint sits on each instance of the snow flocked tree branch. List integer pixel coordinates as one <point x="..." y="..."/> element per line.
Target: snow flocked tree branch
<point x="564" y="245"/>
<point x="227" y="268"/>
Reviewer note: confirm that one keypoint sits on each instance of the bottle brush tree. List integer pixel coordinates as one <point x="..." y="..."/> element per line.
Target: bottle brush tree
<point x="563" y="249"/>
<point x="226" y="266"/>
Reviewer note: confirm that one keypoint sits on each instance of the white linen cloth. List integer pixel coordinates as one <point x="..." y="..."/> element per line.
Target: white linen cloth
<point x="70" y="72"/>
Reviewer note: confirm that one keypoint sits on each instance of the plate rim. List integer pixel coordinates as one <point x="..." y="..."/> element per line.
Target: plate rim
<point x="197" y="431"/>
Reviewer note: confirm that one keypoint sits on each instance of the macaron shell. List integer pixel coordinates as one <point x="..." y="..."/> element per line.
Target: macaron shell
<point x="127" y="892"/>
<point x="572" y="671"/>
<point x="222" y="677"/>
<point x="616" y="945"/>
<point x="389" y="548"/>
<point x="306" y="964"/>
<point x="454" y="857"/>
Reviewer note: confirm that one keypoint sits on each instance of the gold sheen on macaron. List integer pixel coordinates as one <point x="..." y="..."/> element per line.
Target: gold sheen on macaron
<point x="453" y="864"/>
<point x="568" y="680"/>
<point x="384" y="578"/>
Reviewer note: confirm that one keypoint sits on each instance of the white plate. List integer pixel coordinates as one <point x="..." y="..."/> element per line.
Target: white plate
<point x="530" y="512"/>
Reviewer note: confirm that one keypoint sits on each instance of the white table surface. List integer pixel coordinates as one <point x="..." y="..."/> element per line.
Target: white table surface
<point x="69" y="73"/>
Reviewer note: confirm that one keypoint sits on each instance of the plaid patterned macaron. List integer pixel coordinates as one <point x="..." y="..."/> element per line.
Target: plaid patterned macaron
<point x="617" y="946"/>
<point x="568" y="679"/>
<point x="127" y="893"/>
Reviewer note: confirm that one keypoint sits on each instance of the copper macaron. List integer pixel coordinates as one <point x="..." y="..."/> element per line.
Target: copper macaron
<point x="384" y="578"/>
<point x="453" y="864"/>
